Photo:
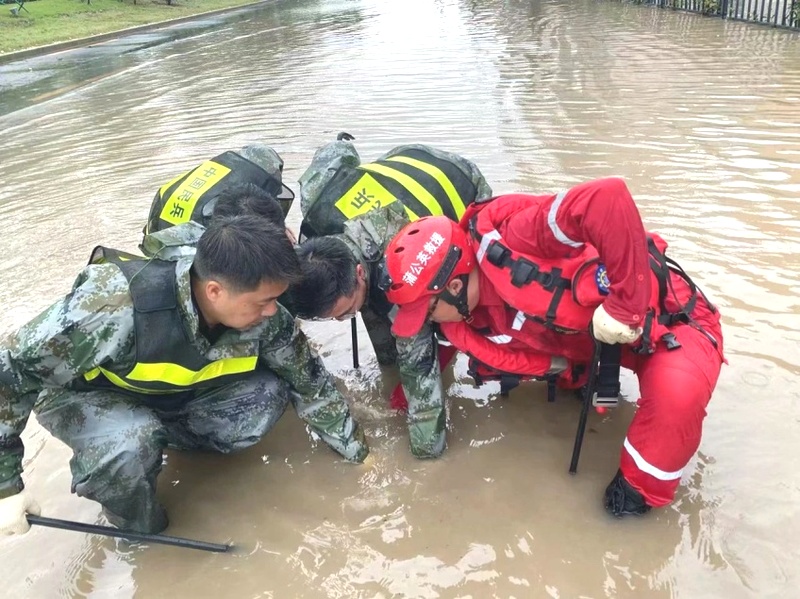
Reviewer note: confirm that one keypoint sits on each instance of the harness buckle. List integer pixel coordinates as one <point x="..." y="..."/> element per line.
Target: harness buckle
<point x="384" y="278"/>
<point x="546" y="280"/>
<point x="497" y="253"/>
<point x="670" y="341"/>
<point x="604" y="402"/>
<point x="523" y="272"/>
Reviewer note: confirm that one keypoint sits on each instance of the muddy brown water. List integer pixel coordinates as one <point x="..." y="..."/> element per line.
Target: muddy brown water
<point x="700" y="116"/>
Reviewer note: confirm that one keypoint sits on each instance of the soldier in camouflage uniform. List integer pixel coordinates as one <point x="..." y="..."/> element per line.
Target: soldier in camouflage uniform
<point x="351" y="211"/>
<point x="145" y="354"/>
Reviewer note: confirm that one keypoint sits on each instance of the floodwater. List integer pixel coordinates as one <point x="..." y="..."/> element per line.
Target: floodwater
<point x="699" y="115"/>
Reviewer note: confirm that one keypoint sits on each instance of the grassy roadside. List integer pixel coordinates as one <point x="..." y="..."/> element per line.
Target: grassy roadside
<point x="50" y="21"/>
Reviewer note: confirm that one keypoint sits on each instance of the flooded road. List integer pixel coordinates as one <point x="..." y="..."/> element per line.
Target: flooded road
<point x="702" y="119"/>
<point x="29" y="80"/>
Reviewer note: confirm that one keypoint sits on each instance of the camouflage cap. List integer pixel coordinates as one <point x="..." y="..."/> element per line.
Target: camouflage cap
<point x="268" y="159"/>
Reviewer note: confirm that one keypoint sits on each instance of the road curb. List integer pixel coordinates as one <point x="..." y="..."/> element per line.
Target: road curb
<point x="104" y="37"/>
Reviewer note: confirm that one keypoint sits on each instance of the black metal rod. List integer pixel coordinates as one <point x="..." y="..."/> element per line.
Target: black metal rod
<point x="122" y="534"/>
<point x="587" y="403"/>
<point x="354" y="337"/>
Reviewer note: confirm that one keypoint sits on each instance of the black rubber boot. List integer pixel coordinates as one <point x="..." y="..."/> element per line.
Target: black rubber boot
<point x="621" y="499"/>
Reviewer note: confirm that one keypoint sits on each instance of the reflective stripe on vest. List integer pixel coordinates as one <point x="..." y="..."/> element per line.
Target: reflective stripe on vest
<point x="175" y="374"/>
<point x="422" y="195"/>
<point x="456" y="201"/>
<point x="415" y="178"/>
<point x="185" y="197"/>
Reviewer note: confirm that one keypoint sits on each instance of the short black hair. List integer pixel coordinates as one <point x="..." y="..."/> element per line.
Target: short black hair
<point x="247" y="199"/>
<point x="242" y="252"/>
<point x="327" y="273"/>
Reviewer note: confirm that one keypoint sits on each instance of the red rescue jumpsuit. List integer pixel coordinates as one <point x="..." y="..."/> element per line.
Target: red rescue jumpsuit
<point x="675" y="385"/>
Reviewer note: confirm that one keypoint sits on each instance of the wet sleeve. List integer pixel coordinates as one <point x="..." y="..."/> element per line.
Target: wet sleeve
<point x="422" y="383"/>
<point x="315" y="398"/>
<point x="91" y="325"/>
<point x="603" y="214"/>
<point x="499" y="357"/>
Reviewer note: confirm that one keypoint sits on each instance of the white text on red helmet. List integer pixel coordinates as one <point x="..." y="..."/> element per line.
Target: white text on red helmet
<point x="428" y="250"/>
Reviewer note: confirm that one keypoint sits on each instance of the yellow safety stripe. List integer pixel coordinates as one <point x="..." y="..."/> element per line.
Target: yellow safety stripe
<point x="120" y="382"/>
<point x="175" y="374"/>
<point x="414" y="188"/>
<point x="436" y="173"/>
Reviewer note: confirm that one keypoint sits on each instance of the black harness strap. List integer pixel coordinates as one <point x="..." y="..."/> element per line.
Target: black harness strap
<point x="607" y="387"/>
<point x="663" y="267"/>
<point x="524" y="272"/>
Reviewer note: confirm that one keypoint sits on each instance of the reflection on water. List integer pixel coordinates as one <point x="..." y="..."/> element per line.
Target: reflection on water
<point x="700" y="116"/>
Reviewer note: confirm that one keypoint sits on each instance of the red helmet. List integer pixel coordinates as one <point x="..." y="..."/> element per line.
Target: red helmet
<point x="420" y="261"/>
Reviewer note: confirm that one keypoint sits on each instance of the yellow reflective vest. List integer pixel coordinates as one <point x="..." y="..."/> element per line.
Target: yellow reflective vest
<point x="424" y="184"/>
<point x="166" y="361"/>
<point x="187" y="196"/>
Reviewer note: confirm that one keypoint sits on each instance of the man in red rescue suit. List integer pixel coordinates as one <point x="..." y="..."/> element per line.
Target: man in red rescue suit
<point x="517" y="284"/>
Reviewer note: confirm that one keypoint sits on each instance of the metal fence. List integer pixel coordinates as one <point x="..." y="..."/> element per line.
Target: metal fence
<point x="777" y="13"/>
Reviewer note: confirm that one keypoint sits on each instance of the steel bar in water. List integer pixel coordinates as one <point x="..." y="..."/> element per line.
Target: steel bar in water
<point x="354" y="340"/>
<point x="122" y="534"/>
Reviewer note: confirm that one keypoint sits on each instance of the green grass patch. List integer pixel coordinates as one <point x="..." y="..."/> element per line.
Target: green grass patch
<point x="50" y="21"/>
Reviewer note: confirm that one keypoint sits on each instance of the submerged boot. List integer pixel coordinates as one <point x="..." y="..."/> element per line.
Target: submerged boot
<point x="154" y="521"/>
<point x="622" y="499"/>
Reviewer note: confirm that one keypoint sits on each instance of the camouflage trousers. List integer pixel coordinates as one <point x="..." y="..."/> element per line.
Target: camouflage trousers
<point x="117" y="439"/>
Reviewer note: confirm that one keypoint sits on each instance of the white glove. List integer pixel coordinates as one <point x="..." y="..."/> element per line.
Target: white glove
<point x="609" y="330"/>
<point x="12" y="513"/>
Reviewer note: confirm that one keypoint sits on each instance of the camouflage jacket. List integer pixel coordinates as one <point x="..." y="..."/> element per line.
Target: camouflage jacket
<point x="367" y="237"/>
<point x="94" y="325"/>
